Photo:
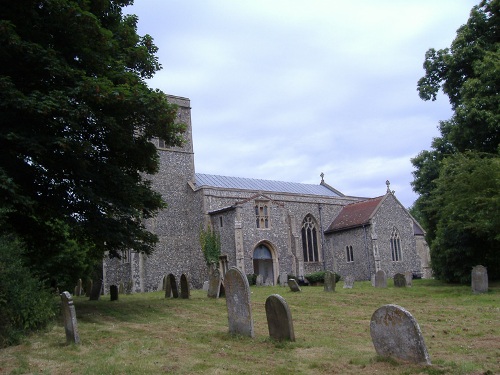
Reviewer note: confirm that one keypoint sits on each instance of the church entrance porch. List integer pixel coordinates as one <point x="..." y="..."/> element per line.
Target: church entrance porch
<point x="263" y="263"/>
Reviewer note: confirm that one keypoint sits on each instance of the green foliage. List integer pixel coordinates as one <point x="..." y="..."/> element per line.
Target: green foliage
<point x="319" y="277"/>
<point x="252" y="278"/>
<point x="76" y="121"/>
<point x="25" y="303"/>
<point x="210" y="245"/>
<point x="457" y="202"/>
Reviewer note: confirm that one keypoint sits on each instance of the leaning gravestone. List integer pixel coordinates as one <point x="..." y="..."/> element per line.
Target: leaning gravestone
<point x="479" y="280"/>
<point x="395" y="333"/>
<point x="69" y="316"/>
<point x="283" y="279"/>
<point x="214" y="284"/>
<point x="259" y="280"/>
<point x="239" y="312"/>
<point x="399" y="280"/>
<point x="380" y="279"/>
<point x="330" y="284"/>
<point x="113" y="292"/>
<point x="294" y="287"/>
<point x="409" y="278"/>
<point x="95" y="293"/>
<point x="184" y="287"/>
<point x="348" y="282"/>
<point x="171" y="287"/>
<point x="279" y="318"/>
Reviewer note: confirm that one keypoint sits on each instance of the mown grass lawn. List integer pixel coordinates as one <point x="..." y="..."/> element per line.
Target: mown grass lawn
<point x="148" y="334"/>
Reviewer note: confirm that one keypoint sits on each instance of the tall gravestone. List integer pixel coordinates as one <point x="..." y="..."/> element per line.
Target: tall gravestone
<point x="479" y="279"/>
<point x="184" y="287"/>
<point x="171" y="287"/>
<point x="239" y="312"/>
<point x="380" y="279"/>
<point x="113" y="293"/>
<point x="79" y="288"/>
<point x="373" y="279"/>
<point x="292" y="284"/>
<point x="396" y="334"/>
<point x="348" y="282"/>
<point x="283" y="279"/>
<point x="330" y="283"/>
<point x="95" y="293"/>
<point x="409" y="278"/>
<point x="69" y="317"/>
<point x="214" y="284"/>
<point x="399" y="280"/>
<point x="279" y="318"/>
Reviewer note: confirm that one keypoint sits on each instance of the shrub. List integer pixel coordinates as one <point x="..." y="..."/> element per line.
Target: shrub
<point x="319" y="277"/>
<point x="252" y="278"/>
<point x="25" y="303"/>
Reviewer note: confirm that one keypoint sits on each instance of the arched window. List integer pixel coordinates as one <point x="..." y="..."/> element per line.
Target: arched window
<point x="310" y="240"/>
<point x="395" y="246"/>
<point x="261" y="214"/>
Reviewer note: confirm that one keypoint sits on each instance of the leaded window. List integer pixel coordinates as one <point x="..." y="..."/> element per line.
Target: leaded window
<point x="310" y="240"/>
<point x="395" y="246"/>
<point x="262" y="214"/>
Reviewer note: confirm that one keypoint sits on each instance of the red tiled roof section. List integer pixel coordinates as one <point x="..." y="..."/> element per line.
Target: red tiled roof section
<point x="355" y="215"/>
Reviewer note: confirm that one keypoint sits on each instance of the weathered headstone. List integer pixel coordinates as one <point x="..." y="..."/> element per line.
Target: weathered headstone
<point x="113" y="292"/>
<point x="399" y="280"/>
<point x="239" y="312"/>
<point x="205" y="286"/>
<point x="259" y="281"/>
<point x="330" y="283"/>
<point x="348" y="282"/>
<point x="214" y="284"/>
<point x="129" y="287"/>
<point x="373" y="279"/>
<point x="294" y="287"/>
<point x="279" y="318"/>
<point x="95" y="293"/>
<point x="69" y="316"/>
<point x="79" y="288"/>
<point x="121" y="288"/>
<point x="380" y="279"/>
<point x="283" y="279"/>
<point x="395" y="333"/>
<point x="479" y="279"/>
<point x="409" y="278"/>
<point x="184" y="287"/>
<point x="171" y="287"/>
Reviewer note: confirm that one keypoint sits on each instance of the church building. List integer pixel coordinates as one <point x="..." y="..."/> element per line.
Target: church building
<point x="266" y="227"/>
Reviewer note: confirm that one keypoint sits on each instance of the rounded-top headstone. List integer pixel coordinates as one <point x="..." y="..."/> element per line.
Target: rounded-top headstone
<point x="279" y="318"/>
<point x="239" y="312"/>
<point x="396" y="334"/>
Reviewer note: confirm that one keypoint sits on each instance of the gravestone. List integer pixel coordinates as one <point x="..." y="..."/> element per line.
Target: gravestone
<point x="294" y="287"/>
<point x="214" y="284"/>
<point x="95" y="293"/>
<point x="348" y="282"/>
<point x="395" y="333"/>
<point x="479" y="279"/>
<point x="239" y="312"/>
<point x="259" y="281"/>
<point x="409" y="278"/>
<point x="184" y="287"/>
<point x="380" y="279"/>
<point x="79" y="288"/>
<point x="121" y="288"/>
<point x="283" y="279"/>
<point x="113" y="292"/>
<point x="69" y="317"/>
<point x="399" y="280"/>
<point x="329" y="282"/>
<point x="373" y="279"/>
<point x="279" y="318"/>
<point x="88" y="288"/>
<point x="129" y="287"/>
<point x="171" y="287"/>
<point x="205" y="286"/>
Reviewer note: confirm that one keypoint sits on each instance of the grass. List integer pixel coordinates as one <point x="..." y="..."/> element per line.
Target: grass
<point x="148" y="334"/>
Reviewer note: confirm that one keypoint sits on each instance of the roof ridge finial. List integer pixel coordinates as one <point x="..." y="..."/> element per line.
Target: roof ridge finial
<point x="388" y="183"/>
<point x="322" y="175"/>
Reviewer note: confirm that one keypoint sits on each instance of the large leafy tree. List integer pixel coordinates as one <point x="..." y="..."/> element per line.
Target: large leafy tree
<point x="76" y="121"/>
<point x="458" y="179"/>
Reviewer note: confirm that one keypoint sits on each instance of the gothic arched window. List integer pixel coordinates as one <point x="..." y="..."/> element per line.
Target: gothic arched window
<point x="395" y="246"/>
<point x="310" y="240"/>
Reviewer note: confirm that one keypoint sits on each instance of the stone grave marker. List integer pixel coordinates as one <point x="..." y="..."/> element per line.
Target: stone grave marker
<point x="279" y="318"/>
<point x="185" y="293"/>
<point x="479" y="279"/>
<point x="239" y="312"/>
<point x="95" y="293"/>
<point x="348" y="282"/>
<point x="79" y="288"/>
<point x="380" y="279"/>
<point x="88" y="287"/>
<point x="129" y="287"/>
<point x="121" y="288"/>
<point x="399" y="280"/>
<point x="205" y="286"/>
<point x="283" y="279"/>
<point x="294" y="287"/>
<point x="395" y="333"/>
<point x="214" y="284"/>
<point x="259" y="281"/>
<point x="113" y="292"/>
<point x="409" y="278"/>
<point x="373" y="280"/>
<point x="69" y="317"/>
<point x="330" y="283"/>
<point x="171" y="287"/>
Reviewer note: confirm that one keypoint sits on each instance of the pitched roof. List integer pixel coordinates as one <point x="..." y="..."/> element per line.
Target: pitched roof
<point x="264" y="185"/>
<point x="355" y="215"/>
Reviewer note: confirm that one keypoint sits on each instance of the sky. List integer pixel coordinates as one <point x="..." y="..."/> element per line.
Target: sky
<point x="286" y="90"/>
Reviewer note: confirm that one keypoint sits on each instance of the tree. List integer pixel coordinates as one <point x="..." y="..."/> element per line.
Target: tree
<point x="450" y="178"/>
<point x="76" y="124"/>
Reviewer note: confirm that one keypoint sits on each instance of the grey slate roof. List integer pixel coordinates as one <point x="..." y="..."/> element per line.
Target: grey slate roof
<point x="262" y="185"/>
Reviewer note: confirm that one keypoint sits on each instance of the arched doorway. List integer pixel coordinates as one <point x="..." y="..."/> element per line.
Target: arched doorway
<point x="263" y="263"/>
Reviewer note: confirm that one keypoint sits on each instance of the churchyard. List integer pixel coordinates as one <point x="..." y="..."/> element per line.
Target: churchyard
<point x="150" y="334"/>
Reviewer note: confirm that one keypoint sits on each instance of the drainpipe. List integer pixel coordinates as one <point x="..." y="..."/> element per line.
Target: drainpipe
<point x="322" y="237"/>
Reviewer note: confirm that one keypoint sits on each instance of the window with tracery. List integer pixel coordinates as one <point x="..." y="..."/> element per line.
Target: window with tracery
<point x="395" y="246"/>
<point x="262" y="215"/>
<point x="310" y="240"/>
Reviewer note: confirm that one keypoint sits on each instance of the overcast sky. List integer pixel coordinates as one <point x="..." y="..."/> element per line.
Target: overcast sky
<point x="287" y="89"/>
